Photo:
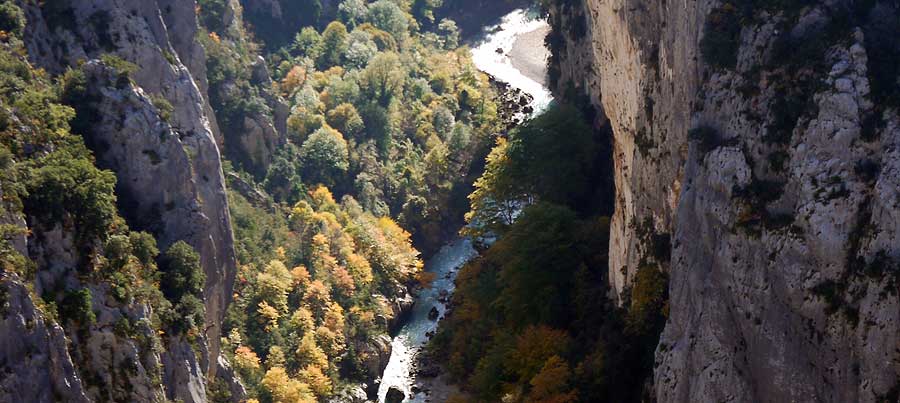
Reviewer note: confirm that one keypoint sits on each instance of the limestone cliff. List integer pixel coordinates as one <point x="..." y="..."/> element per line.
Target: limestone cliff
<point x="158" y="134"/>
<point x="760" y="140"/>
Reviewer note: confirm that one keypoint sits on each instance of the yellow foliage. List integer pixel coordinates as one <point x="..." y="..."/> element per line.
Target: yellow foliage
<point x="303" y="320"/>
<point x="331" y="342"/>
<point x="276" y="357"/>
<point x="269" y="315"/>
<point x="360" y="268"/>
<point x="300" y="275"/>
<point x="317" y="380"/>
<point x="245" y="358"/>
<point x="286" y="390"/>
<point x="322" y="198"/>
<point x="309" y="353"/>
<point x="274" y="283"/>
<point x="334" y="318"/>
<point x="535" y="346"/>
<point x="318" y="295"/>
<point x="551" y="384"/>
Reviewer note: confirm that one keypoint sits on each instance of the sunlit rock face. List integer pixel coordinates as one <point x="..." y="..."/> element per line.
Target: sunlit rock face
<point x="782" y="213"/>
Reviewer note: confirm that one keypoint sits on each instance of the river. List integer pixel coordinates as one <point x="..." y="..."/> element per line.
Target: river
<point x="512" y="52"/>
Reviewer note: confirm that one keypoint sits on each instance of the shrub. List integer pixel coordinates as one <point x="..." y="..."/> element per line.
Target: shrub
<point x="181" y="272"/>
<point x="212" y="14"/>
<point x="78" y="306"/>
<point x="12" y="18"/>
<point x="123" y="69"/>
<point x="163" y="107"/>
<point x="66" y="184"/>
<point x="722" y="37"/>
<point x="648" y="300"/>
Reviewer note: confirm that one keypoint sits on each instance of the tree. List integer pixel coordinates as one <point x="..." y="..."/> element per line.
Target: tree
<point x="66" y="184"/>
<point x="12" y="18"/>
<point x="284" y="389"/>
<point x="551" y="384"/>
<point x="498" y="195"/>
<point x="534" y="347"/>
<point x="212" y="14"/>
<point x="308" y="43"/>
<point x="361" y="49"/>
<point x="325" y="156"/>
<point x="383" y="77"/>
<point x="317" y="380"/>
<point x="181" y="272"/>
<point x="334" y="45"/>
<point x="448" y="29"/>
<point x="549" y="158"/>
<point x="78" y="306"/>
<point x="387" y="16"/>
<point x="345" y="119"/>
<point x="273" y="285"/>
<point x="143" y="247"/>
<point x="309" y="353"/>
<point x="352" y="12"/>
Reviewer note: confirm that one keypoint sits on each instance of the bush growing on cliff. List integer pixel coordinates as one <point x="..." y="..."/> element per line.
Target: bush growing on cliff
<point x="721" y="37"/>
<point x="65" y="185"/>
<point x="78" y="306"/>
<point x="181" y="272"/>
<point x="12" y="18"/>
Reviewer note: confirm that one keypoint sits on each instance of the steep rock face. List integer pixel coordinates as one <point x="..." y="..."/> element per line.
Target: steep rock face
<point x="34" y="351"/>
<point x="782" y="207"/>
<point x="253" y="134"/>
<point x="176" y="188"/>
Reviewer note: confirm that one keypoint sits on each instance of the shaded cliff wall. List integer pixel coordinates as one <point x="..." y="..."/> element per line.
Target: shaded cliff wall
<point x="766" y="153"/>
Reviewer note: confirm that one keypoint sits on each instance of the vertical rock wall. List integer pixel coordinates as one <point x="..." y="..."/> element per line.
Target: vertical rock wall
<point x="174" y="188"/>
<point x="782" y="210"/>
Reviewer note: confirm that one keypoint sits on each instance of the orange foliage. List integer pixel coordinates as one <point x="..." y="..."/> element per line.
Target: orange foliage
<point x="551" y="384"/>
<point x="534" y="347"/>
<point x="293" y="80"/>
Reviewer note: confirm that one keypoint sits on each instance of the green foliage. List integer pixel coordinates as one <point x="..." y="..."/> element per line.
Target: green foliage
<point x="383" y="78"/>
<point x="181" y="272"/>
<point x="352" y="12"/>
<point x="648" y="301"/>
<point x="387" y="16"/>
<point x="334" y="45"/>
<point x="308" y="43"/>
<point x="78" y="307"/>
<point x="122" y="67"/>
<point x="12" y="18"/>
<point x="65" y="186"/>
<point x="163" y="107"/>
<point x="324" y="156"/>
<point x="548" y="158"/>
<point x="346" y="119"/>
<point x="276" y="32"/>
<point x="212" y="14"/>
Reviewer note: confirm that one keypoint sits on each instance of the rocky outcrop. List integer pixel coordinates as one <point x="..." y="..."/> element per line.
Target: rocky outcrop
<point x="33" y="351"/>
<point x="781" y="204"/>
<point x="168" y="167"/>
<point x="253" y="114"/>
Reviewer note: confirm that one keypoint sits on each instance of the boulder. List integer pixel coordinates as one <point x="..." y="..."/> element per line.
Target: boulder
<point x="433" y="314"/>
<point x="394" y="395"/>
